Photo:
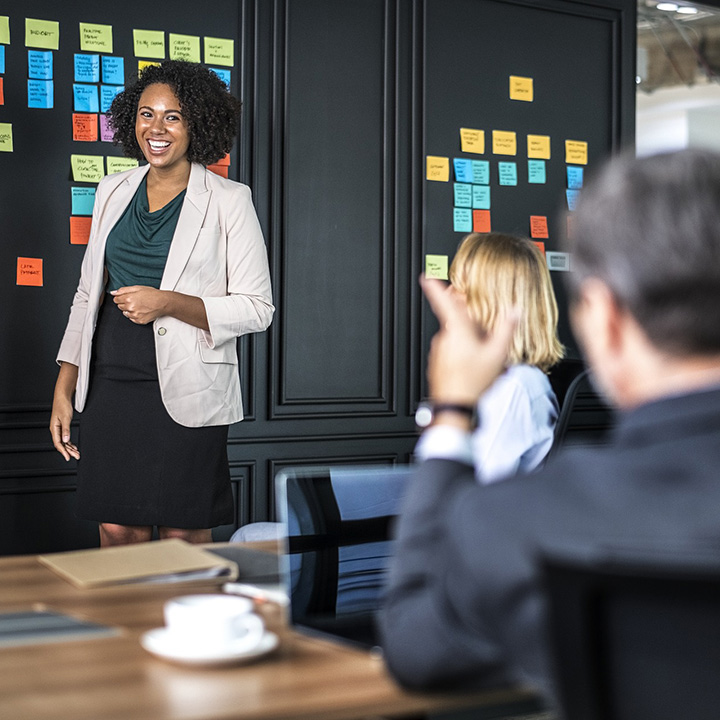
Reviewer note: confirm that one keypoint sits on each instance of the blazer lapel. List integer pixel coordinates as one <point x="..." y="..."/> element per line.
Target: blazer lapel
<point x="188" y="228"/>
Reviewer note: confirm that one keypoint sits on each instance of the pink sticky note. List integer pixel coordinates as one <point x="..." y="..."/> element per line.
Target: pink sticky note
<point x="106" y="133"/>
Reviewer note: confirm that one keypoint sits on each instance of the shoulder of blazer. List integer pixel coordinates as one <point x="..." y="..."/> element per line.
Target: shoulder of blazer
<point x="216" y="183"/>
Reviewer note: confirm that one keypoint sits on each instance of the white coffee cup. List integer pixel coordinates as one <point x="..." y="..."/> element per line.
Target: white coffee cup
<point x="214" y="622"/>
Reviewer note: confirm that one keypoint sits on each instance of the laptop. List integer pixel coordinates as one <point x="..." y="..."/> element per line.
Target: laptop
<point x="337" y="522"/>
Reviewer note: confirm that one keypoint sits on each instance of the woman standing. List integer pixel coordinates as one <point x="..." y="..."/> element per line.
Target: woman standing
<point x="175" y="270"/>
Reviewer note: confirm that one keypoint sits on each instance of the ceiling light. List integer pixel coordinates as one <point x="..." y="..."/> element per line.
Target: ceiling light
<point x="687" y="10"/>
<point x="667" y="6"/>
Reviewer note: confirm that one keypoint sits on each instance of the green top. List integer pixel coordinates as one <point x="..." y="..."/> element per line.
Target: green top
<point x="137" y="247"/>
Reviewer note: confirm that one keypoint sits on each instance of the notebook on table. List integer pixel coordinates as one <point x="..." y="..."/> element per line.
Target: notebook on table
<point x="338" y="523"/>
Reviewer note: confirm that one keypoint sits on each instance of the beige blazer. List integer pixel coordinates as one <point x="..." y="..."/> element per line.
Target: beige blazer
<point x="217" y="254"/>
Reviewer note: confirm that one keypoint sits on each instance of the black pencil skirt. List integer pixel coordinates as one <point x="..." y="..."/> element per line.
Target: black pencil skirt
<point x="137" y="465"/>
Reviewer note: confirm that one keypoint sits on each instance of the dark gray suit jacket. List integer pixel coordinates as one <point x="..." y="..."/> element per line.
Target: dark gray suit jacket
<point x="463" y="606"/>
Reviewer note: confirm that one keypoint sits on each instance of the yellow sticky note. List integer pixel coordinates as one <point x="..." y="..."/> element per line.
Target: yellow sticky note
<point x="576" y="152"/>
<point x="436" y="266"/>
<point x="42" y="34"/>
<point x="118" y="164"/>
<point x="184" y="47"/>
<point x="142" y="64"/>
<point x="87" y="168"/>
<point x="96" y="38"/>
<point x="4" y="29"/>
<point x="219" y="51"/>
<point x="438" y="168"/>
<point x="149" y="43"/>
<point x="6" y="140"/>
<point x="472" y="141"/>
<point x="521" y="88"/>
<point x="538" y="147"/>
<point x="504" y="142"/>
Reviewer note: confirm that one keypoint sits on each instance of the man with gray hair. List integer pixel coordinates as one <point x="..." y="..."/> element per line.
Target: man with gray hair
<point x="464" y="606"/>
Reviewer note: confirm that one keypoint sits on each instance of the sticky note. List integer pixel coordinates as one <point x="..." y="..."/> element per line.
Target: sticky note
<point x="463" y="194"/>
<point x="40" y="65"/>
<point x="574" y="177"/>
<point x="30" y="271"/>
<point x="480" y="172"/>
<point x="219" y="51"/>
<point x="481" y="221"/>
<point x="521" y="88"/>
<point x="83" y="199"/>
<point x="504" y="142"/>
<point x="80" y="230"/>
<point x="507" y="173"/>
<point x="572" y="198"/>
<point x="538" y="147"/>
<point x="540" y="245"/>
<point x="107" y="95"/>
<point x="85" y="127"/>
<point x="481" y="197"/>
<point x="149" y="43"/>
<point x="436" y="266"/>
<point x="4" y="29"/>
<point x="85" y="98"/>
<point x="96" y="38"/>
<point x="437" y="168"/>
<point x="87" y="168"/>
<point x="224" y="160"/>
<point x="472" y="141"/>
<point x="463" y="170"/>
<point x="2" y="58"/>
<point x="538" y="226"/>
<point x="87" y="68"/>
<point x="576" y="152"/>
<point x="43" y="34"/>
<point x="142" y="64"/>
<point x="536" y="172"/>
<point x="113" y="70"/>
<point x="224" y="75"/>
<point x="221" y="170"/>
<point x="41" y="94"/>
<point x="2" y="91"/>
<point x="462" y="220"/>
<point x="184" y="47"/>
<point x="119" y="164"/>
<point x="6" y="137"/>
<point x="106" y="132"/>
<point x="558" y="261"/>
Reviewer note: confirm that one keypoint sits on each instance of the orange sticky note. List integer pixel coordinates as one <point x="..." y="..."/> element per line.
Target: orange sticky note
<point x="225" y="160"/>
<point x="218" y="169"/>
<point x="538" y="226"/>
<point x="2" y="92"/>
<point x="540" y="245"/>
<point x="481" y="221"/>
<point x="30" y="271"/>
<point x="85" y="127"/>
<point x="80" y="230"/>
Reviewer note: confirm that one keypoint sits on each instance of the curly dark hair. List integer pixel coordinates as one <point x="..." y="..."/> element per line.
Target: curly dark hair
<point x="212" y="114"/>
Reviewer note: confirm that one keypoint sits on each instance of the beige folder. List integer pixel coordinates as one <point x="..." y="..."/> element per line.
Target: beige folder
<point x="162" y="561"/>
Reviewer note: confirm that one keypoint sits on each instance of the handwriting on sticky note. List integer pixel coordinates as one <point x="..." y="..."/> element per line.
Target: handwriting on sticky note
<point x="521" y="88"/>
<point x="463" y="194"/>
<point x="538" y="147"/>
<point x="120" y="164"/>
<point x="184" y="47"/>
<point x="113" y="70"/>
<point x="437" y="168"/>
<point x="85" y="98"/>
<point x="96" y="38"/>
<point x="40" y="64"/>
<point x="436" y="266"/>
<point x="4" y="29"/>
<point x="481" y="197"/>
<point x="574" y="177"/>
<point x="29" y="271"/>
<point x="149" y="43"/>
<point x="43" y="34"/>
<point x="106" y="132"/>
<point x="87" y="168"/>
<point x="504" y="142"/>
<point x="6" y="137"/>
<point x="107" y="95"/>
<point x="507" y="173"/>
<point x="219" y="51"/>
<point x="83" y="200"/>
<point x="536" y="172"/>
<point x="41" y="94"/>
<point x="538" y="226"/>
<point x="463" y="170"/>
<point x="87" y="68"/>
<point x="480" y="170"/>
<point x="85" y="127"/>
<point x="462" y="220"/>
<point x="472" y="141"/>
<point x="80" y="230"/>
<point x="572" y="198"/>
<point x="576" y="152"/>
<point x="481" y="221"/>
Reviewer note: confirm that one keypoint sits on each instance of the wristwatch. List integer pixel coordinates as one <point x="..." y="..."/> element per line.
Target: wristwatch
<point x="426" y="412"/>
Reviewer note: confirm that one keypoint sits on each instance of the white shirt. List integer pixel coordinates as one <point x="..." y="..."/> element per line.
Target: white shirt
<point x="517" y="420"/>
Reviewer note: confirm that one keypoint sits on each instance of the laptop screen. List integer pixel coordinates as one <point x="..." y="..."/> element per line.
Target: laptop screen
<point x="338" y="523"/>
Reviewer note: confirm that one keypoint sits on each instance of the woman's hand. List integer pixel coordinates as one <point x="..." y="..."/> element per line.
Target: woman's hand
<point x="140" y="303"/>
<point x="62" y="411"/>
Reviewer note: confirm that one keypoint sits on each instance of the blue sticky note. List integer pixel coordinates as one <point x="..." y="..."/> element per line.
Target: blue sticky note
<point x="86" y="98"/>
<point x="463" y="170"/>
<point x="481" y="197"/>
<point x="2" y="58"/>
<point x="507" y="173"/>
<point x="113" y="70"/>
<point x="224" y="75"/>
<point x="462" y="220"/>
<point x="83" y="199"/>
<point x="41" y="94"/>
<point x="463" y="195"/>
<point x="480" y="172"/>
<point x="107" y="95"/>
<point x="87" y="68"/>
<point x="574" y="177"/>
<point x="536" y="172"/>
<point x="40" y="64"/>
<point x="572" y="198"/>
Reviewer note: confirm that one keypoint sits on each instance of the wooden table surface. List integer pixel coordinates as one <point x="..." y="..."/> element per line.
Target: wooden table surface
<point x="115" y="677"/>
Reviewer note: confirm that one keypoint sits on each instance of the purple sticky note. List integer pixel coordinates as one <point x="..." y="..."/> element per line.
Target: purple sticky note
<point x="106" y="132"/>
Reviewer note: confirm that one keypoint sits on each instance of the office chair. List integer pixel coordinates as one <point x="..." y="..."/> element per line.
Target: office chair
<point x="635" y="639"/>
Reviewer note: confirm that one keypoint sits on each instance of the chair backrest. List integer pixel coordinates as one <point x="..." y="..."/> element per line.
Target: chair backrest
<point x="635" y="639"/>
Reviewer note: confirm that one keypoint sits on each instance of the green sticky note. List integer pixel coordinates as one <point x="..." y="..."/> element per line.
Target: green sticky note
<point x="87" y="168"/>
<point x="184" y="47"/>
<point x="4" y="29"/>
<point x="436" y="266"/>
<point x="6" y="143"/>
<point x="149" y="43"/>
<point x="219" y="51"/>
<point x="118" y="164"/>
<point x="96" y="38"/>
<point x="43" y="34"/>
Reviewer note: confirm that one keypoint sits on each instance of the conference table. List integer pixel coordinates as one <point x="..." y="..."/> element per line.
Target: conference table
<point x="114" y="677"/>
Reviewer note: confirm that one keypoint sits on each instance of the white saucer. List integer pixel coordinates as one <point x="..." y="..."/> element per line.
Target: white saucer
<point x="161" y="643"/>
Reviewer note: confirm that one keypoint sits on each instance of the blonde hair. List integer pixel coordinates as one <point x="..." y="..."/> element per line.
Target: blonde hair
<point x="498" y="272"/>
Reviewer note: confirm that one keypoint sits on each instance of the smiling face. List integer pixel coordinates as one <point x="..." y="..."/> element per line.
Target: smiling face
<point x="161" y="130"/>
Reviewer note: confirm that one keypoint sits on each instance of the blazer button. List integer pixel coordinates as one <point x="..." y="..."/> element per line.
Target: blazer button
<point x="161" y="331"/>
